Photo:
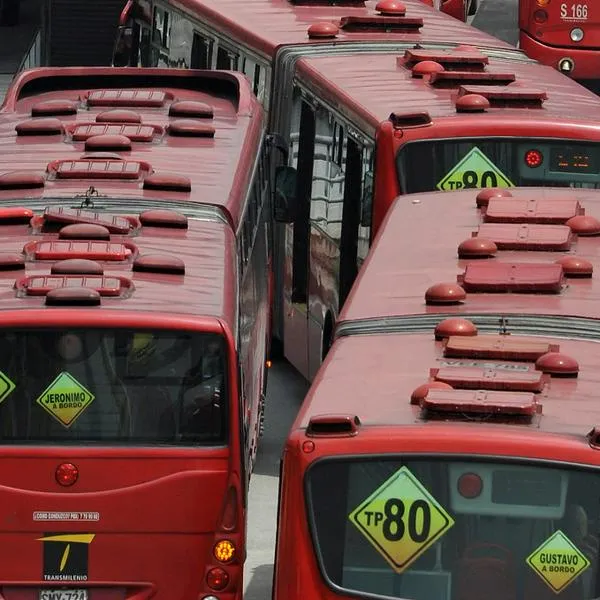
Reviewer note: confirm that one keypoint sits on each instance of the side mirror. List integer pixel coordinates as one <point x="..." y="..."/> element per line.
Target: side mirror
<point x="366" y="208"/>
<point x="285" y="194"/>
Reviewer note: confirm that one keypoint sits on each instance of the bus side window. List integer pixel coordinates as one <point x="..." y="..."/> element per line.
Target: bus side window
<point x="364" y="230"/>
<point x="202" y="50"/>
<point x="226" y="59"/>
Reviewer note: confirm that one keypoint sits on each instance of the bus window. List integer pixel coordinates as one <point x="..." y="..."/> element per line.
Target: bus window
<point x="202" y="48"/>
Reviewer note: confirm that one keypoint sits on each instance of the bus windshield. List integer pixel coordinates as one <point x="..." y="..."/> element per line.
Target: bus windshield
<point x="430" y="165"/>
<point x="112" y="386"/>
<point x="437" y="529"/>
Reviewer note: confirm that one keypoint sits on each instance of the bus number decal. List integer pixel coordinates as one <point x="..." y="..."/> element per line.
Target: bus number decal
<point x="474" y="170"/>
<point x="558" y="561"/>
<point x="574" y="12"/>
<point x="65" y="399"/>
<point x="401" y="519"/>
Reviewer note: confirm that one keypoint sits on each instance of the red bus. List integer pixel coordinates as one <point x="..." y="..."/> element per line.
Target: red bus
<point x="448" y="447"/>
<point x="134" y="244"/>
<point x="564" y="34"/>
<point x="429" y="110"/>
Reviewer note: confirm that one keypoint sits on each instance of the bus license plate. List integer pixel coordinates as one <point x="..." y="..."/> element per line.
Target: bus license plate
<point x="63" y="595"/>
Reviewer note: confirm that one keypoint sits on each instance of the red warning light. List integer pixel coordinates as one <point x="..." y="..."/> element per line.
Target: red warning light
<point x="533" y="158"/>
<point x="67" y="474"/>
<point x="470" y="485"/>
<point x="540" y="16"/>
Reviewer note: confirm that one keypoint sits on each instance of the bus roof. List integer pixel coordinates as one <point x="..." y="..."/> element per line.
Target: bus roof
<point x="289" y="22"/>
<point x="145" y="136"/>
<point x="381" y="379"/>
<point x="380" y="84"/>
<point x="138" y="262"/>
<point x="509" y="270"/>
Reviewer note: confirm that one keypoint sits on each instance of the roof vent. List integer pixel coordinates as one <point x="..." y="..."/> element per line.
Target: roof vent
<point x="482" y="402"/>
<point x="472" y="103"/>
<point x="557" y="365"/>
<point x="20" y="180"/>
<point x="477" y="247"/>
<point x="503" y="347"/>
<point x="108" y="142"/>
<point x="411" y="119"/>
<point x="133" y="132"/>
<point x="114" y="224"/>
<point x="425" y="67"/>
<point x="191" y="109"/>
<point x="118" y="116"/>
<point x="72" y="297"/>
<point x="517" y="236"/>
<point x="153" y="263"/>
<point x="445" y="293"/>
<point x="449" y="79"/>
<point x="484" y="196"/>
<point x="573" y="266"/>
<point x="328" y="2"/>
<point x="518" y="278"/>
<point x="77" y="266"/>
<point x="333" y="426"/>
<point x="40" y="285"/>
<point x="84" y="250"/>
<point x="584" y="225"/>
<point x="163" y="218"/>
<point x="463" y="60"/>
<point x="134" y="98"/>
<point x="498" y="96"/>
<point x="84" y="231"/>
<point x="49" y="108"/>
<point x="391" y="8"/>
<point x="322" y="31"/>
<point x="531" y="210"/>
<point x="454" y="326"/>
<point x="14" y="215"/>
<point x="11" y="262"/>
<point x="47" y="126"/>
<point x="381" y="23"/>
<point x="97" y="169"/>
<point x="168" y="182"/>
<point x="190" y="128"/>
<point x="480" y="378"/>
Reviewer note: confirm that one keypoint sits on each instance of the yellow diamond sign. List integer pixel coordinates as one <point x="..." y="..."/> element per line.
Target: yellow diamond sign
<point x="475" y="170"/>
<point x="401" y="519"/>
<point x="65" y="399"/>
<point x="558" y="561"/>
<point x="6" y="386"/>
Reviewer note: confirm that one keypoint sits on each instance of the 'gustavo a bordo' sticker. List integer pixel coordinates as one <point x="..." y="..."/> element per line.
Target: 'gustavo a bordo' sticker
<point x="558" y="561"/>
<point x="65" y="399"/>
<point x="401" y="519"/>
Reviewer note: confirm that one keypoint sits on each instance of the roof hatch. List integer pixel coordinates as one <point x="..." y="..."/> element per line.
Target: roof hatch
<point x="97" y="169"/>
<point x="481" y="402"/>
<point x="130" y="98"/>
<point x="509" y="96"/>
<point x="480" y="378"/>
<point x="523" y="236"/>
<point x="63" y="215"/>
<point x="84" y="249"/>
<point x="531" y="210"/>
<point x="135" y="132"/>
<point x="503" y="347"/>
<point x="446" y="79"/>
<point x="524" y="278"/>
<point x="450" y="59"/>
<point x="40" y="285"/>
<point x="381" y="23"/>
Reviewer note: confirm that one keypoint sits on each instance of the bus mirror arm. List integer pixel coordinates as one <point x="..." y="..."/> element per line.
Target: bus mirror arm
<point x="285" y="194"/>
<point x="277" y="141"/>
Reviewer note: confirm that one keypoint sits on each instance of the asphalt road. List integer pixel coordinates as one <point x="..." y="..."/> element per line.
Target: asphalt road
<point x="286" y="389"/>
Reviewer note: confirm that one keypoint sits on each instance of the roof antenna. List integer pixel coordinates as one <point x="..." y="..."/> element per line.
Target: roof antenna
<point x="87" y="201"/>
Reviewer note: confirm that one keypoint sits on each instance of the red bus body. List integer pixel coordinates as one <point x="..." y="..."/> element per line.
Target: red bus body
<point x="450" y="438"/>
<point x="564" y="34"/>
<point x="135" y="207"/>
<point x="340" y="85"/>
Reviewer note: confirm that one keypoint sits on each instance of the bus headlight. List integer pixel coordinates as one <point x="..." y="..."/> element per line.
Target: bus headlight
<point x="577" y="34"/>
